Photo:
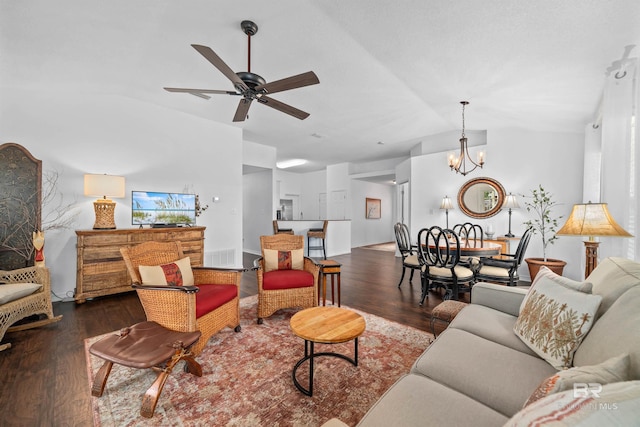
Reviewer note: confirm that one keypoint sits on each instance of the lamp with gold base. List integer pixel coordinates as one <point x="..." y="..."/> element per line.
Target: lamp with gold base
<point x="593" y="220"/>
<point x="104" y="186"/>
<point x="446" y="204"/>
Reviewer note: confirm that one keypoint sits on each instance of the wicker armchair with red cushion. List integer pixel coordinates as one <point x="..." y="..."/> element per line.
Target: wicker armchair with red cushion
<point x="180" y="297"/>
<point x="286" y="278"/>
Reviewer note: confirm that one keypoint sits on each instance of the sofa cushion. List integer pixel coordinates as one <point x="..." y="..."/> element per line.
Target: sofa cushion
<point x="554" y="319"/>
<point x="13" y="291"/>
<point x="613" y="277"/>
<point x="617" y="404"/>
<point x="287" y="279"/>
<point x="610" y="371"/>
<point x="283" y="260"/>
<point x="616" y="332"/>
<point x="490" y="324"/>
<point x="176" y="273"/>
<point x="415" y="400"/>
<point x="494" y="375"/>
<point x="210" y="297"/>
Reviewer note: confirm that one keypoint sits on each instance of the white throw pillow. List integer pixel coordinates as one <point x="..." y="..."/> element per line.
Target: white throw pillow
<point x="613" y="370"/>
<point x="616" y="404"/>
<point x="554" y="320"/>
<point x="176" y="273"/>
<point x="546" y="274"/>
<point x="13" y="291"/>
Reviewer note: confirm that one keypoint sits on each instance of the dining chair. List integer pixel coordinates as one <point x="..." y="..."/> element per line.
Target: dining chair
<point x="505" y="268"/>
<point x="472" y="235"/>
<point x="407" y="250"/>
<point x="439" y="257"/>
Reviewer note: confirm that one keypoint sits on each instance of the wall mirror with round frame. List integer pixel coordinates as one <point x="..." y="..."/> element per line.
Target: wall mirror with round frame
<point x="481" y="197"/>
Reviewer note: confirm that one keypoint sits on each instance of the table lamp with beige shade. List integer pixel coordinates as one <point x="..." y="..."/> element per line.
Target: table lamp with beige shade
<point x="593" y="220"/>
<point x="104" y="186"/>
<point x="446" y="204"/>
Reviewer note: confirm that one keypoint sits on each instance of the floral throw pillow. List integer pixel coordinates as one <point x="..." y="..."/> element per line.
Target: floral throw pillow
<point x="176" y="273"/>
<point x="283" y="260"/>
<point x="554" y="320"/>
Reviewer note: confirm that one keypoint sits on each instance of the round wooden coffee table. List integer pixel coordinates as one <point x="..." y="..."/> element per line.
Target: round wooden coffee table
<point x="326" y="325"/>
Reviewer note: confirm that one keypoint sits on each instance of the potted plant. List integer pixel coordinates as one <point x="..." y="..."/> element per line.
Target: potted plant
<point x="544" y="224"/>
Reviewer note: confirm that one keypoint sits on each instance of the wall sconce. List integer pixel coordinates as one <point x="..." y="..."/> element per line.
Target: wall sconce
<point x="591" y="219"/>
<point x="104" y="186"/>
<point x="510" y="202"/>
<point x="446" y="204"/>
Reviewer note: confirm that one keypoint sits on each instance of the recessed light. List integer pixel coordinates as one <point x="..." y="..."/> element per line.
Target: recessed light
<point x="290" y="163"/>
<point x="380" y="143"/>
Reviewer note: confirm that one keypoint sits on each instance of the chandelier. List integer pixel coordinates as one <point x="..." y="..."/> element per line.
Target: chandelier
<point x="459" y="163"/>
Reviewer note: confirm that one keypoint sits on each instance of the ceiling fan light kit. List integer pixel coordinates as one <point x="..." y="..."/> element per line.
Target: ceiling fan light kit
<point x="249" y="85"/>
<point x="459" y="163"/>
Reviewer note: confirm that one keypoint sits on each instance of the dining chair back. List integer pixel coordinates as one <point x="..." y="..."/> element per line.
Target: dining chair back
<point x="472" y="236"/>
<point x="439" y="256"/>
<point x="407" y="250"/>
<point x="472" y="233"/>
<point x="504" y="269"/>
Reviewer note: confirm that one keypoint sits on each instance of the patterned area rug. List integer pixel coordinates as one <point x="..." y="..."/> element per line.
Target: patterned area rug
<point x="247" y="377"/>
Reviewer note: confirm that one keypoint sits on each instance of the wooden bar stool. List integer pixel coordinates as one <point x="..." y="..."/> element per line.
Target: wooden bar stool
<point x="328" y="267"/>
<point x="317" y="233"/>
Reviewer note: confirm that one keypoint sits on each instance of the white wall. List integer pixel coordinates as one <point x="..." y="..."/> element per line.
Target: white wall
<point x="519" y="160"/>
<point x="371" y="231"/>
<point x="152" y="147"/>
<point x="257" y="216"/>
<point x="313" y="184"/>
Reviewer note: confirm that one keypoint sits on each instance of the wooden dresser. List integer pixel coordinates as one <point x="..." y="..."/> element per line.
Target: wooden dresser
<point x="100" y="268"/>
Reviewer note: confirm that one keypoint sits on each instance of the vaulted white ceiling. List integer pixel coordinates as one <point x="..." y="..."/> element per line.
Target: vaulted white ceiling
<point x="390" y="71"/>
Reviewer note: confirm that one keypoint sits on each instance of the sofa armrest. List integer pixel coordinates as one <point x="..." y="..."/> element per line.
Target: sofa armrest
<point x="499" y="297"/>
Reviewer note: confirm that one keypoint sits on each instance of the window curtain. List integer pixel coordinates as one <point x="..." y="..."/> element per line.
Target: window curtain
<point x="616" y="157"/>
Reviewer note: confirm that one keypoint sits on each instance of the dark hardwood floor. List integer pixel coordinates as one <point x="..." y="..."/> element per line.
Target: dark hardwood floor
<point x="43" y="378"/>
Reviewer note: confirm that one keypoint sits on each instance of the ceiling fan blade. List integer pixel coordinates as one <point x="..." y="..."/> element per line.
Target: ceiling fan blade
<point x="281" y="106"/>
<point x="243" y="110"/>
<point x="200" y="92"/>
<point x="217" y="62"/>
<point x="293" y="82"/>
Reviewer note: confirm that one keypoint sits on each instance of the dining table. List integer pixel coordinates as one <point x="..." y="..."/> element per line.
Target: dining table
<point x="476" y="247"/>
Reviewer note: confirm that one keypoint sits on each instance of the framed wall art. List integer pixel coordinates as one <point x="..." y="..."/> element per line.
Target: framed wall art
<point x="372" y="208"/>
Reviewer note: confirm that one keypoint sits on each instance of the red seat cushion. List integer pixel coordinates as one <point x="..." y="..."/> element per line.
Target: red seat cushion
<point x="210" y="297"/>
<point x="286" y="279"/>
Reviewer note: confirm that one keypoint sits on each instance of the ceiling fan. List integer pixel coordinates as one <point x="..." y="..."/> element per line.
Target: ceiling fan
<point x="250" y="85"/>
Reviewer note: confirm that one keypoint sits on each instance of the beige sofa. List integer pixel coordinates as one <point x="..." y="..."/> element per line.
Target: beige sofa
<point x="478" y="372"/>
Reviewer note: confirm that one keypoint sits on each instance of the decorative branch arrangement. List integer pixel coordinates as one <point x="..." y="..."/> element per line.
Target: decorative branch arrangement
<point x="541" y="204"/>
<point x="19" y="217"/>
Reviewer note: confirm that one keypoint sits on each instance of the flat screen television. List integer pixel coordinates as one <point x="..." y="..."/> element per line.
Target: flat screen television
<point x="162" y="209"/>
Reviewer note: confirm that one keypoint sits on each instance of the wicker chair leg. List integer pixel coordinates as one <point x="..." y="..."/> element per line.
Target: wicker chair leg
<point x="101" y="379"/>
